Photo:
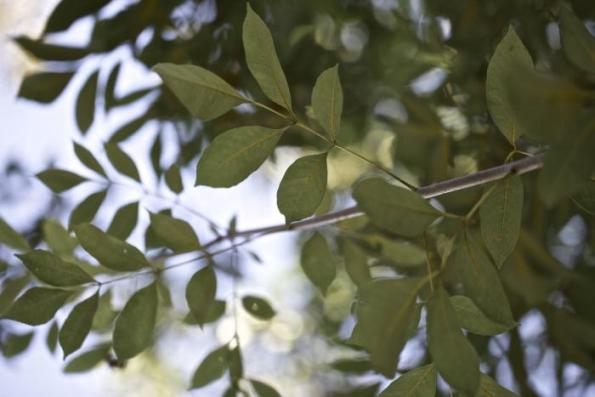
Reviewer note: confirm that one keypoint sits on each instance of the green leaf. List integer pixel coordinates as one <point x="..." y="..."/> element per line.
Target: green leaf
<point x="88" y="159"/>
<point x="57" y="238"/>
<point x="87" y="209"/>
<point x="481" y="280"/>
<point x="472" y="318"/>
<point x="203" y="93"/>
<point x="200" y="294"/>
<point x="173" y="179"/>
<point x="489" y="388"/>
<point x="501" y="216"/>
<point x="420" y="382"/>
<point x="394" y="208"/>
<point x="44" y="87"/>
<point x="11" y="287"/>
<point x="327" y="101"/>
<point x="258" y="307"/>
<point x="50" y="52"/>
<point x="68" y="11"/>
<point x="108" y="250"/>
<point x="77" y="325"/>
<point x="51" y="339"/>
<point x="130" y="128"/>
<point x="88" y="360"/>
<point x="262" y="59"/>
<point x="236" y="366"/>
<point x="51" y="269"/>
<point x="213" y="367"/>
<point x="175" y="233"/>
<point x="85" y="103"/>
<point x="14" y="344"/>
<point x="356" y="263"/>
<point x="11" y="237"/>
<point x="454" y="357"/>
<point x="318" y="262"/>
<point x="121" y="161"/>
<point x="59" y="180"/>
<point x="264" y="390"/>
<point x="133" y="331"/>
<point x="124" y="221"/>
<point x="386" y="317"/>
<point x="585" y="198"/>
<point x="105" y="315"/>
<point x="37" y="305"/>
<point x="215" y="312"/>
<point x="235" y="154"/>
<point x="509" y="57"/>
<point x="399" y="252"/>
<point x="110" y="88"/>
<point x="578" y="44"/>
<point x="303" y="187"/>
<point x="352" y="366"/>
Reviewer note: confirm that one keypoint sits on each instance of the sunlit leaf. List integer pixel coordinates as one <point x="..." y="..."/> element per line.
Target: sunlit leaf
<point x="235" y="154"/>
<point x="258" y="307"/>
<point x="213" y="366"/>
<point x="37" y="305"/>
<point x="50" y="52"/>
<point x="577" y="42"/>
<point x="175" y="233"/>
<point x="124" y="221"/>
<point x="121" y="161"/>
<point x="262" y="59"/>
<point x="303" y="187"/>
<point x="420" y="382"/>
<point x="51" y="269"/>
<point x="133" y="331"/>
<point x="85" y="103"/>
<point x="77" y="325"/>
<point x="11" y="237"/>
<point x="87" y="209"/>
<point x="200" y="294"/>
<point x="59" y="180"/>
<point x="327" y="101"/>
<point x="44" y="87"/>
<point x="318" y="262"/>
<point x="264" y="390"/>
<point x="88" y="159"/>
<point x="393" y="208"/>
<point x="453" y="355"/>
<point x="472" y="319"/>
<point x="88" y="360"/>
<point x="173" y="179"/>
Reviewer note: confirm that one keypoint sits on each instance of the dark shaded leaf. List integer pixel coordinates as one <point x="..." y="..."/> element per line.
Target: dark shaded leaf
<point x="44" y="87"/>
<point x="124" y="221"/>
<point x="264" y="390"/>
<point x="173" y="179"/>
<point x="51" y="269"/>
<point x="77" y="325"/>
<point x="216" y="311"/>
<point x="121" y="161"/>
<point x="85" y="103"/>
<point x="59" y="180"/>
<point x="50" y="52"/>
<point x="51" y="339"/>
<point x="15" y="344"/>
<point x="577" y="42"/>
<point x="68" y="11"/>
<point x="87" y="209"/>
<point x="258" y="307"/>
<point x="88" y="159"/>
<point x="213" y="367"/>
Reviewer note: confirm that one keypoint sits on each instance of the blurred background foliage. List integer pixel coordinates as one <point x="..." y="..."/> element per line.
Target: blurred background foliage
<point x="413" y="75"/>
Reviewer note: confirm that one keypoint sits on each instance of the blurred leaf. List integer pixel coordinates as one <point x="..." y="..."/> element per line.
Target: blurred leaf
<point x="85" y="103"/>
<point x="258" y="307"/>
<point x="318" y="262"/>
<point x="51" y="269"/>
<point x="327" y="101"/>
<point x="105" y="315"/>
<point x="130" y="128"/>
<point x="87" y="209"/>
<point x="11" y="287"/>
<point x="50" y="52"/>
<point x="236" y="366"/>
<point x="577" y="42"/>
<point x="121" y="161"/>
<point x="88" y="159"/>
<point x="133" y="331"/>
<point x="68" y="11"/>
<point x="213" y="367"/>
<point x="453" y="355"/>
<point x="585" y="198"/>
<point x="59" y="180"/>
<point x="44" y="87"/>
<point x="173" y="179"/>
<point x="175" y="233"/>
<point x="77" y="325"/>
<point x="419" y="382"/>
<point x="124" y="221"/>
<point x="262" y="59"/>
<point x="352" y="366"/>
<point x="58" y="238"/>
<point x="200" y="294"/>
<point x="37" y="305"/>
<point x="108" y="250"/>
<point x="87" y="360"/>
<point x="359" y="391"/>
<point x="489" y="388"/>
<point x="401" y="253"/>
<point x="236" y="154"/>
<point x="216" y="311"/>
<point x="11" y="237"/>
<point x="501" y="216"/>
<point x="51" y="339"/>
<point x="203" y="93"/>
<point x="472" y="318"/>
<point x="303" y="187"/>
<point x="263" y="389"/>
<point x="155" y="154"/>
<point x="393" y="208"/>
<point x="15" y="344"/>
<point x="110" y="87"/>
<point x="356" y="263"/>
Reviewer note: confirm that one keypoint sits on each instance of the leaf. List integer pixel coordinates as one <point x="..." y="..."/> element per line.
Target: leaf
<point x="454" y="357"/>
<point x="356" y="263"/>
<point x="88" y="360"/>
<point x="121" y="161"/>
<point x="214" y="366"/>
<point x="175" y="233"/>
<point x="235" y="154"/>
<point x="88" y="159"/>
<point x="85" y="103"/>
<point x="401" y="253"/>
<point x="173" y="179"/>
<point x="352" y="366"/>
<point x="11" y="237"/>
<point x="14" y="344"/>
<point x="51" y="339"/>
<point x="264" y="390"/>
<point x="11" y="287"/>
<point x="105" y="315"/>
<point x="262" y="59"/>
<point x="133" y="331"/>
<point x="236" y="366"/>
<point x="420" y="382"/>
<point x="124" y="221"/>
<point x="509" y="57"/>
<point x="50" y="52"/>
<point x="51" y="269"/>
<point x="57" y="238"/>
<point x="44" y="87"/>
<point x="481" y="281"/>
<point x="585" y="198"/>
<point x="68" y="11"/>
<point x="258" y="307"/>
<point x="77" y="325"/>
<point x="87" y="209"/>
<point x="472" y="318"/>
<point x="501" y="216"/>
<point x="578" y="44"/>
<point x="215" y="312"/>
<point x="327" y="101"/>
<point x="203" y="93"/>
<point x="318" y="262"/>
<point x="393" y="208"/>
<point x="489" y="388"/>
<point x="37" y="305"/>
<point x="127" y="130"/>
<point x="303" y="187"/>
<point x="59" y="180"/>
<point x="108" y="250"/>
<point x="386" y="317"/>
<point x="200" y="294"/>
<point x="110" y="87"/>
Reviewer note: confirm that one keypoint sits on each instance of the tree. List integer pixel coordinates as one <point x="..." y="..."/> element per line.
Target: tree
<point x="459" y="221"/>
